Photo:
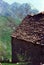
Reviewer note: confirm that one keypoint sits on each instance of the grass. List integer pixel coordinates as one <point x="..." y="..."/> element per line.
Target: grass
<point x="21" y="63"/>
<point x="8" y="64"/>
<point x="5" y="35"/>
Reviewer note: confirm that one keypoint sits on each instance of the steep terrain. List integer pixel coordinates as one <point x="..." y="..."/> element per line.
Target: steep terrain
<point x="7" y="25"/>
<point x="16" y="10"/>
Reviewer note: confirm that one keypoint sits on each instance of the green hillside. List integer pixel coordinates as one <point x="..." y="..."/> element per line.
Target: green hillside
<point x="7" y="25"/>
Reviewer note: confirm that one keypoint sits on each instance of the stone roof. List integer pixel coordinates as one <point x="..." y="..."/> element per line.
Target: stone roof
<point x="31" y="29"/>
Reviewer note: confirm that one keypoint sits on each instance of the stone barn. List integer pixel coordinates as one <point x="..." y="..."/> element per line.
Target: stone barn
<point x="28" y="40"/>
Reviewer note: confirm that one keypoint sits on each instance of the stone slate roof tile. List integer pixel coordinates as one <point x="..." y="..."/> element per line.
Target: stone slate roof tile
<point x="31" y="29"/>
